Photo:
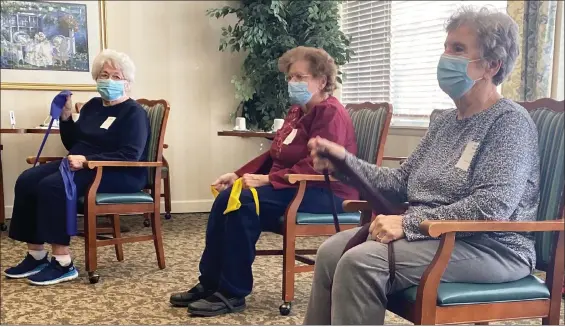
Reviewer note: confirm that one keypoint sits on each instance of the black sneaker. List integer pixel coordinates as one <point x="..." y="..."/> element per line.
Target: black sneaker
<point x="216" y="304"/>
<point x="196" y="293"/>
<point x="54" y="273"/>
<point x="28" y="267"/>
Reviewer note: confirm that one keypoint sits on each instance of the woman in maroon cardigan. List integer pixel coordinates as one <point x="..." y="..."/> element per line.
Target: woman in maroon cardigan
<point x="225" y="267"/>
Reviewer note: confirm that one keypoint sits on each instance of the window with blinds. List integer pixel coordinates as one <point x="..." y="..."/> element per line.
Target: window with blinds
<point x="367" y="75"/>
<point x="412" y="37"/>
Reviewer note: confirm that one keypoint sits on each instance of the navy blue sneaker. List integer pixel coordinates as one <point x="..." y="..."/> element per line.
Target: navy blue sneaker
<point x="54" y="273"/>
<point x="28" y="267"/>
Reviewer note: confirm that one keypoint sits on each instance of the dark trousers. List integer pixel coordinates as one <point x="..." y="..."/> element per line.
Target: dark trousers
<point x="39" y="214"/>
<point x="230" y="239"/>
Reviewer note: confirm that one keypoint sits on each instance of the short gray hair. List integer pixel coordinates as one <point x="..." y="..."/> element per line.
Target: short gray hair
<point x="116" y="59"/>
<point x="497" y="36"/>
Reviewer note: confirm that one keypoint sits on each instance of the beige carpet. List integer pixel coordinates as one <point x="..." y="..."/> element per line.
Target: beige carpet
<point x="136" y="292"/>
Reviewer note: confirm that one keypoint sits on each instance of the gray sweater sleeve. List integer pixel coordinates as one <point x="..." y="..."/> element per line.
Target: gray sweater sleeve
<point x="392" y="182"/>
<point x="494" y="192"/>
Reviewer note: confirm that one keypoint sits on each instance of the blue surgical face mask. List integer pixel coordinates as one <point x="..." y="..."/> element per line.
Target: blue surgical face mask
<point x="109" y="89"/>
<point x="452" y="76"/>
<point x="298" y="93"/>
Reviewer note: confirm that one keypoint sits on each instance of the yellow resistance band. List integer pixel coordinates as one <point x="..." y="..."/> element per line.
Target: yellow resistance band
<point x="233" y="202"/>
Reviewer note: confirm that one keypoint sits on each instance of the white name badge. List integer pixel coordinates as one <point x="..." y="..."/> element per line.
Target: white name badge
<point x="290" y="137"/>
<point x="467" y="156"/>
<point x="108" y="122"/>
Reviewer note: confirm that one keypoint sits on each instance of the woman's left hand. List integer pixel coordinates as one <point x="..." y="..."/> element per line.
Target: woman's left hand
<point x="76" y="162"/>
<point x="386" y="229"/>
<point x="253" y="180"/>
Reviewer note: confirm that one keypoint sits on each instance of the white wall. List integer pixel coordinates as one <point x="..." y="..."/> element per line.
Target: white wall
<point x="175" y="47"/>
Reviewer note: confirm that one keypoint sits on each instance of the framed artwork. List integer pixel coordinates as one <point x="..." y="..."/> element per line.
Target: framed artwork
<point x="50" y="45"/>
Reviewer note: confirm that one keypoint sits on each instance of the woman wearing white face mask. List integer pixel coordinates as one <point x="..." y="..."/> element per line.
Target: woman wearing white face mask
<point x="477" y="162"/>
<point x="112" y="127"/>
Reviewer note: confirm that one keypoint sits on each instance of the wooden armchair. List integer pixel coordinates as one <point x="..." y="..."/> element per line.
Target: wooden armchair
<point x="434" y="302"/>
<point x="95" y="204"/>
<point x="165" y="175"/>
<point x="371" y="123"/>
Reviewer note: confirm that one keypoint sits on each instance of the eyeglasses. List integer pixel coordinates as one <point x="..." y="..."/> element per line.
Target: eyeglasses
<point x="296" y="77"/>
<point x="108" y="76"/>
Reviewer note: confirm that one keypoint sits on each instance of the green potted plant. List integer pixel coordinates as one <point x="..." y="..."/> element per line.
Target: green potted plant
<point x="264" y="31"/>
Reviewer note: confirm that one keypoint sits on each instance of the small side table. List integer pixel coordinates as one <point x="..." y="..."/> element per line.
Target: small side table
<point x="267" y="135"/>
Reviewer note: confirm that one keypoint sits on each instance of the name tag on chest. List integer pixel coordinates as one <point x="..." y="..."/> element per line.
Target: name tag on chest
<point x="467" y="156"/>
<point x="106" y="124"/>
<point x="290" y="137"/>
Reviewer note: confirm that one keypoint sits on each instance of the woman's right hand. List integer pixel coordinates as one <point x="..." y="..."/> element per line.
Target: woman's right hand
<point x="320" y="146"/>
<point x="225" y="181"/>
<point x="68" y="109"/>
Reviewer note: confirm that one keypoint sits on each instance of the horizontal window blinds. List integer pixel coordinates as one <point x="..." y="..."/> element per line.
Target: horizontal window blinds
<point x="397" y="46"/>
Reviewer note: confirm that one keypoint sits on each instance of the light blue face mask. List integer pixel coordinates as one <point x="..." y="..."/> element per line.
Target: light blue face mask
<point x="452" y="76"/>
<point x="110" y="90"/>
<point x="298" y="93"/>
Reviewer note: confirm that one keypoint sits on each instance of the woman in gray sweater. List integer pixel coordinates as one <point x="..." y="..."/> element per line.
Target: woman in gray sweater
<point x="477" y="162"/>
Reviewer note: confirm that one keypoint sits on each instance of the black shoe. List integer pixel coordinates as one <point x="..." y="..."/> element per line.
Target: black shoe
<point x="196" y="293"/>
<point x="216" y="304"/>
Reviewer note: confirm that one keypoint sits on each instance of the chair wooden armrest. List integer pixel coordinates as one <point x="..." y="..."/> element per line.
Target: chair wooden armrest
<point x="42" y="160"/>
<point x="393" y="158"/>
<point x="96" y="164"/>
<point x="356" y="205"/>
<point x="426" y="295"/>
<point x="435" y="228"/>
<point x="295" y="178"/>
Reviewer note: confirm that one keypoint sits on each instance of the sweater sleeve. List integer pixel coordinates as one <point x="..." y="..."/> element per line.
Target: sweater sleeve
<point x="501" y="171"/>
<point x="133" y="138"/>
<point x="259" y="165"/>
<point x="393" y="182"/>
<point x="329" y="126"/>
<point x="67" y="129"/>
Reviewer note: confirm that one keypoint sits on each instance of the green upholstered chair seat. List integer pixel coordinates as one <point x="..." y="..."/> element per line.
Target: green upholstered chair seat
<point x="303" y="218"/>
<point x="121" y="198"/>
<point x="525" y="289"/>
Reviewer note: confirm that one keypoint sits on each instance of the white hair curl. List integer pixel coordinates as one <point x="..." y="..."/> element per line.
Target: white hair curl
<point x="116" y="59"/>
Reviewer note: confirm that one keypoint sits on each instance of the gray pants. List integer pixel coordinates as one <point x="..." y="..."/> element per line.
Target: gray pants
<point x="352" y="290"/>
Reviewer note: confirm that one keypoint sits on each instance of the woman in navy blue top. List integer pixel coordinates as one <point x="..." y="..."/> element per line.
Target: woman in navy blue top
<point x="112" y="127"/>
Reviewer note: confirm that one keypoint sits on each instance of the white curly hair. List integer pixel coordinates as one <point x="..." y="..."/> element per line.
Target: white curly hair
<point x="117" y="60"/>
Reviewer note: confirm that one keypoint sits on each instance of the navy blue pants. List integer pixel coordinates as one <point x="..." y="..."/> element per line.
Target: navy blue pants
<point x="230" y="239"/>
<point x="40" y="204"/>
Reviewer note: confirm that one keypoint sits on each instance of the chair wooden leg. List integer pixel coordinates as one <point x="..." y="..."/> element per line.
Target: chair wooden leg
<point x="90" y="246"/>
<point x="158" y="238"/>
<point x="117" y="234"/>
<point x="289" y="249"/>
<point x="167" y="182"/>
<point x="2" y="212"/>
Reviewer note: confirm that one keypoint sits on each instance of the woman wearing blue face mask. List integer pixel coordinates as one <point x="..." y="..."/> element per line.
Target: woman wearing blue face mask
<point x="476" y="162"/>
<point x="225" y="267"/>
<point x="111" y="127"/>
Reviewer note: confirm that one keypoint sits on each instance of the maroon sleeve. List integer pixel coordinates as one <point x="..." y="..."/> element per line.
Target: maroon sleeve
<point x="260" y="165"/>
<point x="328" y="124"/>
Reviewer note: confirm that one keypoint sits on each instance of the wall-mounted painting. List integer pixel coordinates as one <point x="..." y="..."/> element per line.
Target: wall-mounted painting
<point x="50" y="45"/>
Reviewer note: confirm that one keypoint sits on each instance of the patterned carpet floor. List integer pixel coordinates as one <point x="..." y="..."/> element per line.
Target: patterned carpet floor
<point x="136" y="292"/>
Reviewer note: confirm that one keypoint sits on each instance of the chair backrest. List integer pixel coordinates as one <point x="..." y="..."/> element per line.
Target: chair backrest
<point x="371" y="122"/>
<point x="158" y="113"/>
<point x="549" y="117"/>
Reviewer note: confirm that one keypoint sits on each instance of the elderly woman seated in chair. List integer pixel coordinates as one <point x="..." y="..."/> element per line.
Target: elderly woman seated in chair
<point x="477" y="162"/>
<point x="111" y="127"/>
<point x="225" y="267"/>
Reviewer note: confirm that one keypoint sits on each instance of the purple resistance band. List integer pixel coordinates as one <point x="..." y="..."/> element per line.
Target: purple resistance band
<point x="57" y="106"/>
